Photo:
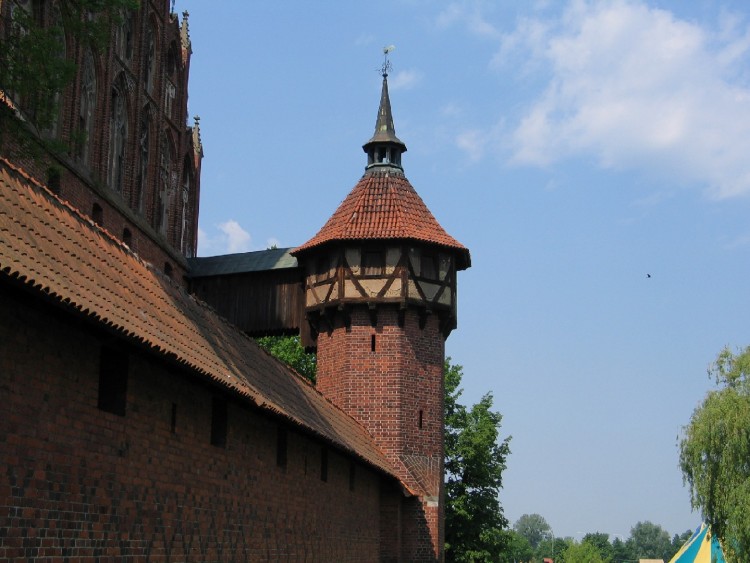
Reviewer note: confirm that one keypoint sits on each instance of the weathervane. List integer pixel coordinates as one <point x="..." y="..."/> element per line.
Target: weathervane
<point x="386" y="63"/>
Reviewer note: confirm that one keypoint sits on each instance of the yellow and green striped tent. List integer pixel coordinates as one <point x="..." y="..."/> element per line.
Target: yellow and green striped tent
<point x="702" y="547"/>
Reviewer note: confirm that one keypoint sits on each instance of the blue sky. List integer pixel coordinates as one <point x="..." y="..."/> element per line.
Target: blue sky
<point x="574" y="147"/>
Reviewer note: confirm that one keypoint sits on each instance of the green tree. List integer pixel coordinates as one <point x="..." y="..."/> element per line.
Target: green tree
<point x="552" y="548"/>
<point x="534" y="528"/>
<point x="621" y="551"/>
<point x="715" y="450"/>
<point x="289" y="349"/>
<point x="649" y="541"/>
<point x="601" y="542"/>
<point x="584" y="552"/>
<point x="474" y="463"/>
<point x="517" y="548"/>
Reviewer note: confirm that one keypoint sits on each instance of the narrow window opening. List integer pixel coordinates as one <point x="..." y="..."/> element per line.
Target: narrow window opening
<point x="113" y="380"/>
<point x="322" y="269"/>
<point x="352" y="474"/>
<point x="373" y="262"/>
<point x="281" y="448"/>
<point x="324" y="464"/>
<point x="127" y="237"/>
<point x="421" y="415"/>
<point x="219" y="422"/>
<point x="372" y="343"/>
<point x="428" y="266"/>
<point x="53" y="179"/>
<point x="173" y="420"/>
<point x="97" y="214"/>
<point x="168" y="269"/>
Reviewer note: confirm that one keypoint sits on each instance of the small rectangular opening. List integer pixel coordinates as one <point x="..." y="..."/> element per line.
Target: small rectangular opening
<point x="97" y="214"/>
<point x="53" y="179"/>
<point x="428" y="266"/>
<point x="219" y="422"/>
<point x="373" y="262"/>
<point x="420" y="417"/>
<point x="324" y="464"/>
<point x="372" y="343"/>
<point x="113" y="380"/>
<point x="281" y="447"/>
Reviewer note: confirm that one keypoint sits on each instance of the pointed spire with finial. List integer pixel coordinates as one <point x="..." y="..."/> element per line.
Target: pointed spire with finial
<point x="197" y="143"/>
<point x="187" y="46"/>
<point x="384" y="148"/>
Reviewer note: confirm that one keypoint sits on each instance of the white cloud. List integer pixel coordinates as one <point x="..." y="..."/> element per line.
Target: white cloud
<point x="236" y="238"/>
<point x="404" y="80"/>
<point x="473" y="142"/>
<point x="469" y="14"/>
<point x="451" y="110"/>
<point x="229" y="238"/>
<point x="639" y="89"/>
<point x="364" y="39"/>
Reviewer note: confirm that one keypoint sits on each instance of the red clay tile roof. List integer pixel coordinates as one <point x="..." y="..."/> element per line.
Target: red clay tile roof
<point x="384" y="206"/>
<point x="51" y="249"/>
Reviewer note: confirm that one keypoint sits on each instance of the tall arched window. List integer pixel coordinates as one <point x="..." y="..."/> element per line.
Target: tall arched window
<point x="56" y="25"/>
<point x="144" y="149"/>
<point x="185" y="231"/>
<point x="167" y="184"/>
<point x="124" y="38"/>
<point x="118" y="135"/>
<point x="86" y="109"/>
<point x="149" y="62"/>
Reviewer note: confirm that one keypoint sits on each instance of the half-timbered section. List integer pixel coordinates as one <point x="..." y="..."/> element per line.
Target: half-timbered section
<point x="374" y="275"/>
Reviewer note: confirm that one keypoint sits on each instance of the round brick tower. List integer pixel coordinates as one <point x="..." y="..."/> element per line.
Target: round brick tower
<point x="380" y="286"/>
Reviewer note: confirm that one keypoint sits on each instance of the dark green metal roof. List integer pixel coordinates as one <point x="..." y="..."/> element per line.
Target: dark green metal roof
<point x="243" y="262"/>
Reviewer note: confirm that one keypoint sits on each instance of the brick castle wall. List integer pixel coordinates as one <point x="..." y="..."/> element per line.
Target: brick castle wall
<point x="82" y="484"/>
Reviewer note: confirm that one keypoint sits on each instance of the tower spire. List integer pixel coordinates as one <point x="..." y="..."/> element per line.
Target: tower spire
<point x="384" y="148"/>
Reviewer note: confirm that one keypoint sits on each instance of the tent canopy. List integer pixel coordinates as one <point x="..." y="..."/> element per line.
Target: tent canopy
<point x="702" y="547"/>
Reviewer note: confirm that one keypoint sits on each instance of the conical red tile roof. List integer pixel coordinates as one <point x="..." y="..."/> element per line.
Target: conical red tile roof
<point x="384" y="206"/>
